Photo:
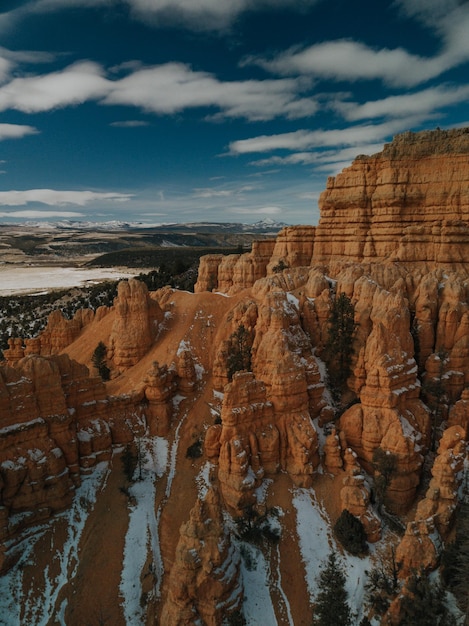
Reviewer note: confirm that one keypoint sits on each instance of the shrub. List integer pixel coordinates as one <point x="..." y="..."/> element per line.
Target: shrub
<point x="194" y="451"/>
<point x="350" y="532"/>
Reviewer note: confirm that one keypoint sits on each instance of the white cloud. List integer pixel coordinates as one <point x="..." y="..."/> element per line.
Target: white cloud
<point x="74" y="85"/>
<point x="54" y="197"/>
<point x="306" y="140"/>
<point x="423" y="102"/>
<point x="350" y="61"/>
<point x="173" y="87"/>
<point x="16" y="131"/>
<point x="319" y="157"/>
<point x="164" y="89"/>
<point x="203" y="15"/>
<point x="130" y="124"/>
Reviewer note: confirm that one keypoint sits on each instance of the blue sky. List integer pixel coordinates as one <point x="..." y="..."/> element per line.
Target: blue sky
<point x="164" y="111"/>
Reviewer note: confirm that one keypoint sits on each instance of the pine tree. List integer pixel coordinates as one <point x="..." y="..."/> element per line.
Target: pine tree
<point x="339" y="345"/>
<point x="385" y="464"/>
<point x="239" y="351"/>
<point x="331" y="608"/>
<point x="423" y="603"/>
<point x="99" y="361"/>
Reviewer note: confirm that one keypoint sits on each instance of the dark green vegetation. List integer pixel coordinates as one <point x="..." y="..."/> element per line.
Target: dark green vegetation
<point x="174" y="259"/>
<point x="331" y="605"/>
<point x="423" y="604"/>
<point x="385" y="465"/>
<point x="254" y="527"/>
<point x="99" y="361"/>
<point x="455" y="562"/>
<point x="351" y="534"/>
<point x="383" y="582"/>
<point x="239" y="351"/>
<point x="338" y="350"/>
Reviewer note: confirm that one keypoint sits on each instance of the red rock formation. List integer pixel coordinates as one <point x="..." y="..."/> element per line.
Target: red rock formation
<point x="248" y="442"/>
<point x="407" y="203"/>
<point x="160" y="386"/>
<point x="293" y="248"/>
<point x="434" y="515"/>
<point x="204" y="584"/>
<point x="186" y="371"/>
<point x="459" y="414"/>
<point x="235" y="272"/>
<point x="390" y="414"/>
<point x="56" y="422"/>
<point x="15" y="351"/>
<point x="207" y="279"/>
<point x="135" y="323"/>
<point x="61" y="332"/>
<point x="332" y="450"/>
<point x="420" y="547"/>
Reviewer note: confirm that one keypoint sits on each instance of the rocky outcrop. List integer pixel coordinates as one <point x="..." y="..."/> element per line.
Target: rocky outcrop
<point x="160" y="386"/>
<point x="58" y="334"/>
<point x="254" y="440"/>
<point x="56" y="424"/>
<point x="247" y="444"/>
<point x="135" y="325"/>
<point x="459" y="414"/>
<point x="422" y="543"/>
<point x="293" y="248"/>
<point x="408" y="203"/>
<point x="204" y="584"/>
<point x="234" y="272"/>
<point x="390" y="414"/>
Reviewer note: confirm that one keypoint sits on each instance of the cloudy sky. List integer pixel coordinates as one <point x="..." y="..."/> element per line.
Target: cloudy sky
<point x="223" y="110"/>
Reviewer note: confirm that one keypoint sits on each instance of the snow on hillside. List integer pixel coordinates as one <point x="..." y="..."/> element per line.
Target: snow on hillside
<point x="316" y="541"/>
<point x="142" y="532"/>
<point x="39" y="604"/>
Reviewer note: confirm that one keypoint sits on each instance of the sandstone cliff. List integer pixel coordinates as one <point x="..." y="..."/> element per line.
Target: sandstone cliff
<point x="393" y="238"/>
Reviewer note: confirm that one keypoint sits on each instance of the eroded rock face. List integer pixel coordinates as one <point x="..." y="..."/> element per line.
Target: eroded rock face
<point x="204" y="584"/>
<point x="135" y="324"/>
<point x="56" y="423"/>
<point x="390" y="414"/>
<point x="58" y="334"/>
<point x="160" y="385"/>
<point x="246" y="444"/>
<point x="293" y="248"/>
<point x="234" y="272"/>
<point x="422" y="542"/>
<point x="407" y="203"/>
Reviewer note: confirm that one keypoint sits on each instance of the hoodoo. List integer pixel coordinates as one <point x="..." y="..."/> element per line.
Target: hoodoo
<point x="246" y="447"/>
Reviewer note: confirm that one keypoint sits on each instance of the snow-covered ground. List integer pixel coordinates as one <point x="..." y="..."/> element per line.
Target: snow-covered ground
<point x="23" y="280"/>
<point x="142" y="533"/>
<point x="316" y="541"/>
<point x="38" y="605"/>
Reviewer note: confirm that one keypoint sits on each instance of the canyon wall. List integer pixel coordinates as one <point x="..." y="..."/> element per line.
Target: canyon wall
<point x="393" y="238"/>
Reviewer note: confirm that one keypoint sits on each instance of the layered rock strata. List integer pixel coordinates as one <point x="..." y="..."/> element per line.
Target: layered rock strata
<point x="204" y="585"/>
<point x="56" y="423"/>
<point x="135" y="324"/>
<point x="422" y="543"/>
<point x="408" y="203"/>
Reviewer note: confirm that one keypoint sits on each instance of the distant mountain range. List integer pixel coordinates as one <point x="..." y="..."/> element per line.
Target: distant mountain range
<point x="265" y="226"/>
